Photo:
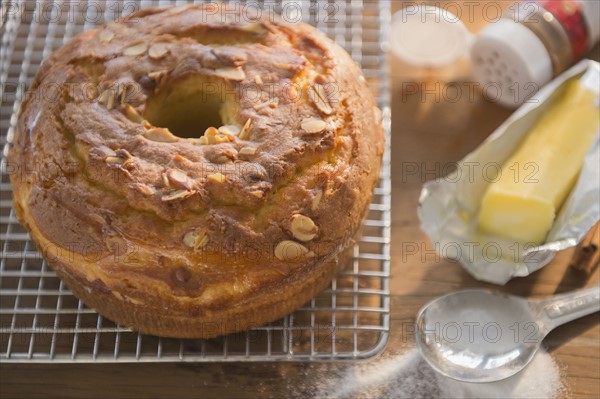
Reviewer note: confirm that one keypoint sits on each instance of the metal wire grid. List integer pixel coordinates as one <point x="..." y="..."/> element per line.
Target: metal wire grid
<point x="41" y="321"/>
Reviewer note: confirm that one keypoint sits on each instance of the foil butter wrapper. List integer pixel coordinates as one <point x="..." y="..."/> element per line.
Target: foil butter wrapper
<point x="448" y="206"/>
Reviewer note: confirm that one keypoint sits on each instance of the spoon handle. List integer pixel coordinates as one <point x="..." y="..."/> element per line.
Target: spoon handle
<point x="567" y="307"/>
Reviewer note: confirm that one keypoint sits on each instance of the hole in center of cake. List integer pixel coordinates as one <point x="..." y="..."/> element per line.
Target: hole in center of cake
<point x="189" y="107"/>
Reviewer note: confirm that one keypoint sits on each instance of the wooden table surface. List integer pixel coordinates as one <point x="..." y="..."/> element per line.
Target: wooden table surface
<point x="431" y="130"/>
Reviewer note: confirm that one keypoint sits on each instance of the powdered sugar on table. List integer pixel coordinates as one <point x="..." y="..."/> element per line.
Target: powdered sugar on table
<point x="409" y="376"/>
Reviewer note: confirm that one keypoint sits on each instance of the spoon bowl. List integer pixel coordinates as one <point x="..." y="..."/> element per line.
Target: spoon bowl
<point x="480" y="335"/>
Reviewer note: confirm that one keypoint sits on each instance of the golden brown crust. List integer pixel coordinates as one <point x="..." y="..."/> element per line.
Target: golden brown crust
<point x="235" y="228"/>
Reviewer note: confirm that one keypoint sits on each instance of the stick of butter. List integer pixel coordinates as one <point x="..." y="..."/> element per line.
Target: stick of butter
<point x="522" y="206"/>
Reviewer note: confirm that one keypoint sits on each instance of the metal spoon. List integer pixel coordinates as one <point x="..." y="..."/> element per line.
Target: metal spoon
<point x="479" y="335"/>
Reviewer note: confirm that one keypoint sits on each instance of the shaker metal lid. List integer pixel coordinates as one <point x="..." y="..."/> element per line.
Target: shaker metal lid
<point x="511" y="62"/>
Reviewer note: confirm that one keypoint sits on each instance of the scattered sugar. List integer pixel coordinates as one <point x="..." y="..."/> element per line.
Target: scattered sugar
<point x="409" y="376"/>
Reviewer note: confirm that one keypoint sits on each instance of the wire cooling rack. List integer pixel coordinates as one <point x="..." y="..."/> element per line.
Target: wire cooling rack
<point x="41" y="321"/>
